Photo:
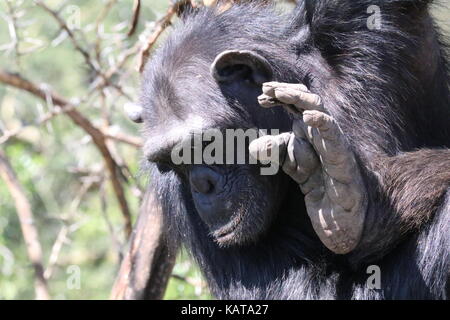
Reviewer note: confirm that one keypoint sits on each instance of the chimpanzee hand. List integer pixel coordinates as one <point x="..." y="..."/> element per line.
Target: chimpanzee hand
<point x="317" y="156"/>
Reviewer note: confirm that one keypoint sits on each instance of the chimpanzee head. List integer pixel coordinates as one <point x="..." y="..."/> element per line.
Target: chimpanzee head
<point x="206" y="76"/>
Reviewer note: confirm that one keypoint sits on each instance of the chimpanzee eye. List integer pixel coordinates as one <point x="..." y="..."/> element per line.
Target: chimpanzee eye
<point x="163" y="168"/>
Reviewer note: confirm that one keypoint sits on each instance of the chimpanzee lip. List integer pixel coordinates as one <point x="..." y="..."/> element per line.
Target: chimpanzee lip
<point x="227" y="231"/>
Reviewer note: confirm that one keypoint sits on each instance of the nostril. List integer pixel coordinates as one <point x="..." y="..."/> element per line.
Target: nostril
<point x="203" y="180"/>
<point x="202" y="186"/>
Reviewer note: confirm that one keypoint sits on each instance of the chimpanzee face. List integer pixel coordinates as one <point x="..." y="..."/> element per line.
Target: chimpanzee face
<point x="185" y="101"/>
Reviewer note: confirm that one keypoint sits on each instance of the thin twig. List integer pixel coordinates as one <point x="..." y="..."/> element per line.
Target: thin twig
<point x="67" y="229"/>
<point x="191" y="281"/>
<point x="14" y="32"/>
<point x="158" y="29"/>
<point x="124" y="138"/>
<point x="29" y="231"/>
<point x="65" y="27"/>
<point x="96" y="134"/>
<point x="87" y="57"/>
<point x="106" y="8"/>
<point x="101" y="17"/>
<point x="107" y="132"/>
<point x="56" y="249"/>
<point x="104" y="206"/>
<point x="135" y="18"/>
<point x="123" y="58"/>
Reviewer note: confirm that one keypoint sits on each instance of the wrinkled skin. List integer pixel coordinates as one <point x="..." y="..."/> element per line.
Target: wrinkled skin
<point x="317" y="157"/>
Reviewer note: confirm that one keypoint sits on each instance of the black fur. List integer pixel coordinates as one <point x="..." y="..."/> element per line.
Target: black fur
<point x="388" y="90"/>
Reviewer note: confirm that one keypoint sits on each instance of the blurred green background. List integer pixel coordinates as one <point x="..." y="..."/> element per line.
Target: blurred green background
<point x="52" y="160"/>
<point x="57" y="162"/>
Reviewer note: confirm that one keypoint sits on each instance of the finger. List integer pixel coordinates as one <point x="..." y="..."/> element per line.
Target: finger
<point x="269" y="87"/>
<point x="270" y="148"/>
<point x="331" y="152"/>
<point x="337" y="160"/>
<point x="301" y="160"/>
<point x="300" y="129"/>
<point x="326" y="137"/>
<point x="276" y="93"/>
<point x="300" y="99"/>
<point x="327" y="126"/>
<point x="268" y="102"/>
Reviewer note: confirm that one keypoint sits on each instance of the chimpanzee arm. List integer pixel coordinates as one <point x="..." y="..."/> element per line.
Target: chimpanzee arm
<point x="415" y="182"/>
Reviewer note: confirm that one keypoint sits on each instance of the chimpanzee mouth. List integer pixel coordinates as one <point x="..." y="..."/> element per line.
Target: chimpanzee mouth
<point x="226" y="234"/>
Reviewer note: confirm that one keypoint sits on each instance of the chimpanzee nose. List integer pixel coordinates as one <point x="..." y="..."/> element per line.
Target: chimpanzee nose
<point x="207" y="186"/>
<point x="204" y="180"/>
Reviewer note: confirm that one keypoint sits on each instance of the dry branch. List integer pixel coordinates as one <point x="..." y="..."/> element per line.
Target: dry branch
<point x="29" y="231"/>
<point x="94" y="66"/>
<point x="69" y="32"/>
<point x="110" y="134"/>
<point x="14" y="33"/>
<point x="159" y="28"/>
<point x="99" y="139"/>
<point x="146" y="268"/>
<point x="135" y="18"/>
<point x="124" y="138"/>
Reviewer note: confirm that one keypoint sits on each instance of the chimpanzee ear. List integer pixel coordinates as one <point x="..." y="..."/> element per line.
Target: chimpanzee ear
<point x="239" y="65"/>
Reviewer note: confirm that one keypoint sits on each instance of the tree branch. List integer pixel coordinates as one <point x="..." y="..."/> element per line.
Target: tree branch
<point x="159" y="28"/>
<point x="87" y="57"/>
<point x="135" y="19"/>
<point x="96" y="134"/>
<point x="29" y="231"/>
<point x="146" y="268"/>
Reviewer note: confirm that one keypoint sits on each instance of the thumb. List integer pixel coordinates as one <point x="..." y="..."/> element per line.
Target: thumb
<point x="269" y="149"/>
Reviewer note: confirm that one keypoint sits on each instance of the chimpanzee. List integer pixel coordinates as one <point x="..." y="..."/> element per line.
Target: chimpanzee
<point x="359" y="90"/>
